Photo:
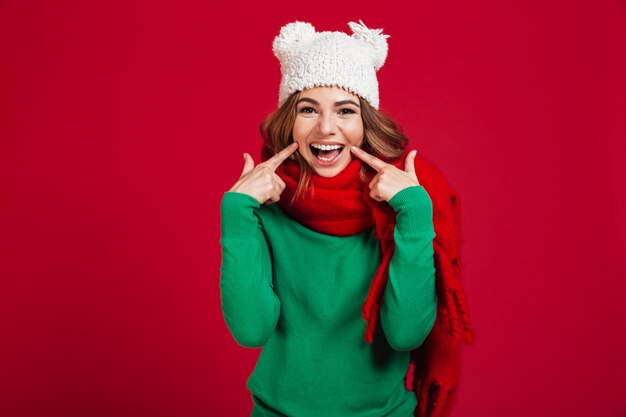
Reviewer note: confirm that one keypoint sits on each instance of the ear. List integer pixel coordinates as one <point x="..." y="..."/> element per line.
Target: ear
<point x="291" y="37"/>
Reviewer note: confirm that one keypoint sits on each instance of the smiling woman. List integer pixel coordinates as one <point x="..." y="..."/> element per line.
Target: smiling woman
<point x="318" y="117"/>
<point x="328" y="121"/>
<point x="336" y="281"/>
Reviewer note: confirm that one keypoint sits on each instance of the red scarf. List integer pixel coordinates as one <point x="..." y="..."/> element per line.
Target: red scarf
<point x="341" y="206"/>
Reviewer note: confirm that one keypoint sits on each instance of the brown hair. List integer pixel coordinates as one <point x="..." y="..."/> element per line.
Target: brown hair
<point x="381" y="137"/>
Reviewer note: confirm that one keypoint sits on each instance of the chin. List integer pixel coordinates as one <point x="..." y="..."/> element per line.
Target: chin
<point x="330" y="171"/>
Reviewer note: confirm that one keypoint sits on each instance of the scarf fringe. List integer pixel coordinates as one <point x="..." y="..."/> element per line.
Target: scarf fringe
<point x="451" y="300"/>
<point x="451" y="305"/>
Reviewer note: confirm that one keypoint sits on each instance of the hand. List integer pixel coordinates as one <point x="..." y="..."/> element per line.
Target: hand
<point x="261" y="182"/>
<point x="389" y="180"/>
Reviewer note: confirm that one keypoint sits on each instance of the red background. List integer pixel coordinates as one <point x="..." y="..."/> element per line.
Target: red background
<point x="122" y="124"/>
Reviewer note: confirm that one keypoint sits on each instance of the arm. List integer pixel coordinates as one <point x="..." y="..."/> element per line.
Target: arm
<point x="409" y="304"/>
<point x="250" y="306"/>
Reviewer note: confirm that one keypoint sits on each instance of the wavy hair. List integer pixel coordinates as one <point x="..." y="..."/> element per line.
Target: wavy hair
<point x="381" y="137"/>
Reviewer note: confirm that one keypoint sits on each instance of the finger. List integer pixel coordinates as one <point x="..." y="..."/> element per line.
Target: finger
<point x="275" y="161"/>
<point x="374" y="194"/>
<point x="248" y="164"/>
<point x="370" y="160"/>
<point x="374" y="181"/>
<point x="274" y="196"/>
<point x="280" y="182"/>
<point x="276" y="186"/>
<point x="409" y="162"/>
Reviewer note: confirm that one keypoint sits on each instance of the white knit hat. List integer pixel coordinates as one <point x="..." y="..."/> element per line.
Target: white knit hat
<point x="310" y="59"/>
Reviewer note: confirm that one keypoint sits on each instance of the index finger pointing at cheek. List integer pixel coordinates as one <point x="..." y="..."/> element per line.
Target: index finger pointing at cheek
<point x="278" y="159"/>
<point x="370" y="160"/>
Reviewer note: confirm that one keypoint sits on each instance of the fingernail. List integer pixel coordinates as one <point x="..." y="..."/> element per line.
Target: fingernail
<point x="413" y="153"/>
<point x="353" y="147"/>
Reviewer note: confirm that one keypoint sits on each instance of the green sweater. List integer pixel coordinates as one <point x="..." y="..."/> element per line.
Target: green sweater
<point x="298" y="294"/>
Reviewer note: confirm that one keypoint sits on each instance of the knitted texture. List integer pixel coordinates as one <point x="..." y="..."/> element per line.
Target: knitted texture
<point x="341" y="205"/>
<point x="310" y="59"/>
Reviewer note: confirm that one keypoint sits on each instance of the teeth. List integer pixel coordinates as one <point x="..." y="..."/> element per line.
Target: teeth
<point x="326" y="147"/>
<point x="324" y="159"/>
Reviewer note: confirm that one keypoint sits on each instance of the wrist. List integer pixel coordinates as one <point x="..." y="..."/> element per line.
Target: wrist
<point x="238" y="212"/>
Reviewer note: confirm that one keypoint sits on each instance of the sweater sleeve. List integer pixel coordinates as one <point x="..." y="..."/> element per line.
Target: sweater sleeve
<point x="409" y="304"/>
<point x="249" y="304"/>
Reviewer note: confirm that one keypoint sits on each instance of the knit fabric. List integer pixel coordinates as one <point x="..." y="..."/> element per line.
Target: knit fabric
<point x="309" y="59"/>
<point x="434" y="370"/>
<point x="298" y="293"/>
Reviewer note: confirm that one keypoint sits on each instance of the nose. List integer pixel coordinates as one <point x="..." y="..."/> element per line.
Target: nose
<point x="327" y="123"/>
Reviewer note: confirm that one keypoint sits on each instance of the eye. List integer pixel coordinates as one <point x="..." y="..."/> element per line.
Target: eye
<point x="346" y="111"/>
<point x="306" y="110"/>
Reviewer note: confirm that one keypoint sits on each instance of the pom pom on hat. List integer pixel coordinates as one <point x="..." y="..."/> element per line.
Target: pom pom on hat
<point x="375" y="38"/>
<point x="291" y="38"/>
<point x="309" y="59"/>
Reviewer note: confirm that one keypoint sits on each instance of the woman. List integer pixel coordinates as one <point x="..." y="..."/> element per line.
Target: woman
<point x="350" y="237"/>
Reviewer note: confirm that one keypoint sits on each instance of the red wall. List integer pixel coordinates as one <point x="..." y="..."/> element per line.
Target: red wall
<point x="122" y="124"/>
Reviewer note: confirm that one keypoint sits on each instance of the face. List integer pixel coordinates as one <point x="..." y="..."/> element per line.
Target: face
<point x="328" y="122"/>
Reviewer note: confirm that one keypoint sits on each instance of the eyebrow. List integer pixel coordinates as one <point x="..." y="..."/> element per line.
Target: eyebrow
<point x="337" y="103"/>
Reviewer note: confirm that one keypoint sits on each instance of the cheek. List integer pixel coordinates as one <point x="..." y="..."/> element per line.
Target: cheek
<point x="355" y="134"/>
<point x="300" y="131"/>
<point x="297" y="135"/>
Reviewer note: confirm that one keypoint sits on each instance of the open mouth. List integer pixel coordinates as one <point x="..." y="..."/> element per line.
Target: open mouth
<point x="326" y="153"/>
